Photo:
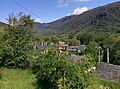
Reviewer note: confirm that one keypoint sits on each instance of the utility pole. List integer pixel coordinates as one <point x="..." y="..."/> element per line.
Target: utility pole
<point x="99" y="55"/>
<point x="108" y="55"/>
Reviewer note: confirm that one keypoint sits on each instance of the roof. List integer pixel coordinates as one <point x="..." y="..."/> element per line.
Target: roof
<point x="41" y="47"/>
<point x="63" y="45"/>
<point x="81" y="47"/>
<point x="75" y="48"/>
<point x="74" y="57"/>
<point x="72" y="47"/>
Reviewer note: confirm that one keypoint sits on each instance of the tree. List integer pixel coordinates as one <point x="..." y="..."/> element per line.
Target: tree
<point x="85" y="38"/>
<point x="115" y="53"/>
<point x="92" y="49"/>
<point x="54" y="39"/>
<point x="55" y="71"/>
<point x="112" y="42"/>
<point x="74" y="42"/>
<point x="17" y="42"/>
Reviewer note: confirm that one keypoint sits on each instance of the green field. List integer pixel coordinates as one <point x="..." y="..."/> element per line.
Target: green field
<point x="17" y="79"/>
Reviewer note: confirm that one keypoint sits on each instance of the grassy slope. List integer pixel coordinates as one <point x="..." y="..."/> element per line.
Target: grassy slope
<point x="103" y="84"/>
<point x="17" y="79"/>
<point x="24" y="79"/>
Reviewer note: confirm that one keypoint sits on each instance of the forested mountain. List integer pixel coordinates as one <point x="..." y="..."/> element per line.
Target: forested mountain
<point x="101" y="19"/>
<point x="2" y="24"/>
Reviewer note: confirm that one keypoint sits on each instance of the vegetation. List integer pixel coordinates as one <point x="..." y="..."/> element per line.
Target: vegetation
<point x="103" y="19"/>
<point x="17" y="79"/>
<point x="54" y="70"/>
<point x="17" y="42"/>
<point x="101" y="84"/>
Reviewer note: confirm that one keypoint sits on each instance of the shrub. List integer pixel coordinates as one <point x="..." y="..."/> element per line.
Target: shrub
<point x="56" y="71"/>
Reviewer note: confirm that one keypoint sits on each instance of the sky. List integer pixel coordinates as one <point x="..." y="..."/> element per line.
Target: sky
<point x="45" y="11"/>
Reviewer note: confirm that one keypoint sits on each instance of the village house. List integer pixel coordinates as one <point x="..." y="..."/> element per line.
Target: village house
<point x="65" y="47"/>
<point x="43" y="47"/>
<point x="62" y="46"/>
<point x="76" y="48"/>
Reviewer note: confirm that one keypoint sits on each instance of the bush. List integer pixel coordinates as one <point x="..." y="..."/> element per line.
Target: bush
<point x="56" y="71"/>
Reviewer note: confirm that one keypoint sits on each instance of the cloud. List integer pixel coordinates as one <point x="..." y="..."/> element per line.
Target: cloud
<point x="80" y="0"/>
<point x="37" y="20"/>
<point x="78" y="10"/>
<point x="63" y="3"/>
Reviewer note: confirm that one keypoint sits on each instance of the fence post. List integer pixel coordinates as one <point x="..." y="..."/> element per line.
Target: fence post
<point x="108" y="55"/>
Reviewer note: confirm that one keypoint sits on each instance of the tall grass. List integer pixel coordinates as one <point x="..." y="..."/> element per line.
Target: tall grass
<point x="17" y="79"/>
<point x="103" y="84"/>
<point x="110" y="84"/>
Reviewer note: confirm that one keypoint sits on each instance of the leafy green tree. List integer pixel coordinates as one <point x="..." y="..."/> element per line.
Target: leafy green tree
<point x="55" y="71"/>
<point x="54" y="39"/>
<point x="47" y="39"/>
<point x="85" y="38"/>
<point x="71" y="36"/>
<point x="100" y="38"/>
<point x="115" y="53"/>
<point x="17" y="42"/>
<point x="74" y="42"/>
<point x="92" y="49"/>
<point x="112" y="42"/>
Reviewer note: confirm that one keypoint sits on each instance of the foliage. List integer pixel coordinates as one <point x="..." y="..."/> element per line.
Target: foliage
<point x="55" y="70"/>
<point x="112" y="42"/>
<point x="92" y="49"/>
<point x="17" y="42"/>
<point x="74" y="42"/>
<point x="54" y="39"/>
<point x="103" y="19"/>
<point x="85" y="38"/>
<point x="115" y="53"/>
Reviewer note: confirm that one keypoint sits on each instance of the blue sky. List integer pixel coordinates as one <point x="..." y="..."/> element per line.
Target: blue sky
<point x="48" y="10"/>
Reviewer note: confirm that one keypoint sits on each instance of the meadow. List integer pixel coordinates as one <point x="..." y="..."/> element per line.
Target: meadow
<point x="17" y="79"/>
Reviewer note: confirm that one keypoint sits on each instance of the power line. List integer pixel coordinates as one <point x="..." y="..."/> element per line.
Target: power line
<point x="28" y="10"/>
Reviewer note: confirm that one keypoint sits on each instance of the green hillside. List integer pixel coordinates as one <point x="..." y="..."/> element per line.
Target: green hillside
<point x="101" y="19"/>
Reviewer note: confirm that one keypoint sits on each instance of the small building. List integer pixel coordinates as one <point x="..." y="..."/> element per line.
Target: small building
<point x="62" y="46"/>
<point x="76" y="48"/>
<point x="42" y="47"/>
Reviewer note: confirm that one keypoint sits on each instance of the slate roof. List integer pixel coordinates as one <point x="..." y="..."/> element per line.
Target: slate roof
<point x="41" y="47"/>
<point x="81" y="47"/>
<point x="74" y="57"/>
<point x="75" y="48"/>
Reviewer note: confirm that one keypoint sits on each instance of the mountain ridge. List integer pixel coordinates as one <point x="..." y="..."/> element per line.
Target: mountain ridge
<point x="99" y="19"/>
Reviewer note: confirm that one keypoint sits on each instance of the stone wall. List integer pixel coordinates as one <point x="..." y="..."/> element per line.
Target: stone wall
<point x="108" y="71"/>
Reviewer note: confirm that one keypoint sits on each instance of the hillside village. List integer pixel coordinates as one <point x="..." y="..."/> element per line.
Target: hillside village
<point x="74" y="52"/>
<point x="62" y="47"/>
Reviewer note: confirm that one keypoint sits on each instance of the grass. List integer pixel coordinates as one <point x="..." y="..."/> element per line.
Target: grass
<point x="110" y="84"/>
<point x="17" y="79"/>
<point x="25" y="79"/>
<point x="103" y="84"/>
